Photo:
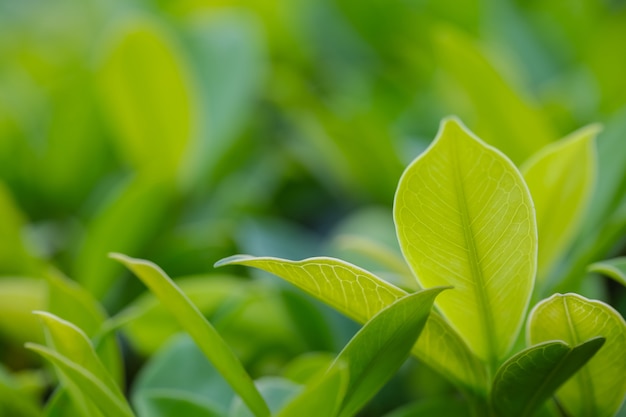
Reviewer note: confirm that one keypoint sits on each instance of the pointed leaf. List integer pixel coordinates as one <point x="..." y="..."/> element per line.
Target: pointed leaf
<point x="612" y="268"/>
<point x="599" y="388"/>
<point x="321" y="397"/>
<point x="382" y="345"/>
<point x="203" y="333"/>
<point x="359" y="295"/>
<point x="531" y="376"/>
<point x="561" y="177"/>
<point x="107" y="402"/>
<point x="464" y="217"/>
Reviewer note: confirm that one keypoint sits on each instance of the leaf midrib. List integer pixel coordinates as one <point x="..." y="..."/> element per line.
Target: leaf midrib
<point x="473" y="260"/>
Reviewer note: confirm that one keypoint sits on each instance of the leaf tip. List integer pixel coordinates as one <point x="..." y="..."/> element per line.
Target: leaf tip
<point x="231" y="260"/>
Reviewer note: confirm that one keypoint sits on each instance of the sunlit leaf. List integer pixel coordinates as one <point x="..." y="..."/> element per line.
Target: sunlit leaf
<point x="530" y="377"/>
<point x="612" y="268"/>
<point x="376" y="352"/>
<point x="464" y="217"/>
<point x="599" y="388"/>
<point x="561" y="178"/>
<point x="203" y="333"/>
<point x="107" y="402"/>
<point x="146" y="90"/>
<point x="360" y="295"/>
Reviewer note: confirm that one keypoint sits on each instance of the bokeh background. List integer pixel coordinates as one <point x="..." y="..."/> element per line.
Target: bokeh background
<point x="186" y="131"/>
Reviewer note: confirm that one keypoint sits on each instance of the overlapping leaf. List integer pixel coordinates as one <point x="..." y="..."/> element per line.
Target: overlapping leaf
<point x="599" y="388"/>
<point x="464" y="217"/>
<point x="613" y="268"/>
<point x="360" y="295"/>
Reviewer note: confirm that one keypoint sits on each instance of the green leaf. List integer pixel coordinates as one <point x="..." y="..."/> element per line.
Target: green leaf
<point x="612" y="268"/>
<point x="168" y="404"/>
<point x="203" y="333"/>
<point x="436" y="406"/>
<point x="464" y="217"/>
<point x="18" y="298"/>
<point x="599" y="388"/>
<point x="320" y="397"/>
<point x="561" y="179"/>
<point x="360" y="295"/>
<point x="277" y="392"/>
<point x="382" y="345"/>
<point x="503" y="117"/>
<point x="71" y="342"/>
<point x="107" y="402"/>
<point x="527" y="379"/>
<point x="147" y="93"/>
<point x="14" y="402"/>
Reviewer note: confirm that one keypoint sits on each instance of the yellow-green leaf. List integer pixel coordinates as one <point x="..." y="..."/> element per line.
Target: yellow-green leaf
<point x="199" y="328"/>
<point x="359" y="295"/>
<point x="464" y="217"/>
<point x="561" y="177"/>
<point x="599" y="388"/>
<point x="612" y="268"/>
<point x="147" y="93"/>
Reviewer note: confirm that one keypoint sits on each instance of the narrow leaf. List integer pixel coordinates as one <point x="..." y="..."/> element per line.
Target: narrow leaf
<point x="321" y="397"/>
<point x="561" y="178"/>
<point x="203" y="333"/>
<point x="530" y="377"/>
<point x="599" y="388"/>
<point x="464" y="217"/>
<point x="106" y="401"/>
<point x="359" y="295"/>
<point x="383" y="344"/>
<point x="612" y="268"/>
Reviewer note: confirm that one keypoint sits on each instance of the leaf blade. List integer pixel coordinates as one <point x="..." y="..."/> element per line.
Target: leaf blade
<point x="203" y="333"/>
<point x="464" y="218"/>
<point x="612" y="268"/>
<point x="599" y="388"/>
<point x="527" y="379"/>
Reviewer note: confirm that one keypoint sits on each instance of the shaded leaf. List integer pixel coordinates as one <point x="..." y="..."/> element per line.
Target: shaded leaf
<point x="599" y="388"/>
<point x="277" y="392"/>
<point x="203" y="333"/>
<point x="530" y="377"/>
<point x="360" y="295"/>
<point x="464" y="217"/>
<point x="382" y="345"/>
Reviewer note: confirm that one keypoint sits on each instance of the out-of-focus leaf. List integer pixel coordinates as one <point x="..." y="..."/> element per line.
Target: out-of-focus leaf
<point x="440" y="407"/>
<point x="381" y="346"/>
<point x="147" y="93"/>
<point x="502" y="117"/>
<point x="530" y="377"/>
<point x="180" y="372"/>
<point x="203" y="333"/>
<point x="306" y="366"/>
<point x="13" y="402"/>
<point x="19" y="297"/>
<point x="126" y="222"/>
<point x="464" y="217"/>
<point x="320" y="397"/>
<point x="67" y="300"/>
<point x="599" y="388"/>
<point x="360" y="295"/>
<point x="561" y="177"/>
<point x="612" y="268"/>
<point x="276" y="391"/>
<point x="166" y="404"/>
<point x="108" y="403"/>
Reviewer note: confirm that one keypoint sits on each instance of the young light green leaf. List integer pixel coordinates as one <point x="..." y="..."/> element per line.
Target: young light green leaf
<point x="108" y="403"/>
<point x="71" y="342"/>
<point x="612" y="268"/>
<point x="561" y="177"/>
<point x="203" y="333"/>
<point x="359" y="295"/>
<point x="147" y="93"/>
<point x="530" y="377"/>
<point x="599" y="388"/>
<point x="464" y="217"/>
<point x="321" y="397"/>
<point x="382" y="345"/>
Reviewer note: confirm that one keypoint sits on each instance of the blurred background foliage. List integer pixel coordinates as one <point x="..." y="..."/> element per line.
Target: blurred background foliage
<point x="186" y="131"/>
